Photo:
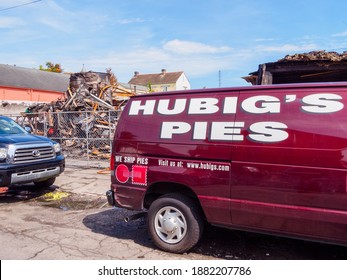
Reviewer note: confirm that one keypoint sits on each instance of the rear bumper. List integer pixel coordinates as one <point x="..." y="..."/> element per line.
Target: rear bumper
<point x="110" y="198"/>
<point x="125" y="197"/>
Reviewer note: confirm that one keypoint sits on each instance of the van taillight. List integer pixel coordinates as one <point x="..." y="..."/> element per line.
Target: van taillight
<point x="112" y="162"/>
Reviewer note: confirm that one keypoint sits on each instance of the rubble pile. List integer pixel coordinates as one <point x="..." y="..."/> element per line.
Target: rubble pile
<point x="88" y="91"/>
<point x="315" y="55"/>
<point x="84" y="120"/>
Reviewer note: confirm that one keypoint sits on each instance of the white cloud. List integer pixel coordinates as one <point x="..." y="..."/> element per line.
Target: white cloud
<point x="131" y="20"/>
<point x="53" y="24"/>
<point x="189" y="47"/>
<point x="73" y="21"/>
<point x="264" y="39"/>
<point x="52" y="8"/>
<point x="341" y="34"/>
<point x="10" y="22"/>
<point x="7" y="4"/>
<point x="204" y="60"/>
<point x="287" y="48"/>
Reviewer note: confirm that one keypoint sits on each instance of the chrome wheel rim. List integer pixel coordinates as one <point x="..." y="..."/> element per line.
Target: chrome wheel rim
<point x="170" y="225"/>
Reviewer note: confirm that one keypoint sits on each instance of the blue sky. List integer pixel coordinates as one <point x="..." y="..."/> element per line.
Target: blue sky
<point x="199" y="37"/>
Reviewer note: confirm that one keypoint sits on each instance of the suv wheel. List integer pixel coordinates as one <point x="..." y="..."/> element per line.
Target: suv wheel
<point x="46" y="183"/>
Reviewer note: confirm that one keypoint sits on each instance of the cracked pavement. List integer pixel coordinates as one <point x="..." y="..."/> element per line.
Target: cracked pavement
<point x="32" y="228"/>
<point x="82" y="226"/>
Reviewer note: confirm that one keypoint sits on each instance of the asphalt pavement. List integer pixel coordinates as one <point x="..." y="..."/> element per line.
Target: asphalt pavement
<point x="80" y="178"/>
<point x="72" y="220"/>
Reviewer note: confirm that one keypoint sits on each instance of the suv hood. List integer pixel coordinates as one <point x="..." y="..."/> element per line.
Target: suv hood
<point x="19" y="138"/>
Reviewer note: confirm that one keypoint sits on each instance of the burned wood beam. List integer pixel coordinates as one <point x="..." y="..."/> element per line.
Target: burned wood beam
<point x="101" y="102"/>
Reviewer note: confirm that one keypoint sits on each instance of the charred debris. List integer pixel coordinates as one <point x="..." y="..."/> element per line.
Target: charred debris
<point x="88" y="91"/>
<point x="84" y="120"/>
<point x="311" y="67"/>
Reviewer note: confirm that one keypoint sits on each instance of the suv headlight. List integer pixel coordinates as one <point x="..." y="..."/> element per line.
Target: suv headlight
<point x="3" y="153"/>
<point x="57" y="148"/>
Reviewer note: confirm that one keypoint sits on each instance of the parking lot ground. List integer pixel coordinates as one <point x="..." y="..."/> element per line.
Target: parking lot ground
<point x="72" y="221"/>
<point x="84" y="180"/>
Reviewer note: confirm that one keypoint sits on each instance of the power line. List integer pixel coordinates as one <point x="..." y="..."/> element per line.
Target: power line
<point x="32" y="2"/>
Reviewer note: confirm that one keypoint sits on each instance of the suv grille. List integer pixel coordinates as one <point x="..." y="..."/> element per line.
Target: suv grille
<point x="33" y="154"/>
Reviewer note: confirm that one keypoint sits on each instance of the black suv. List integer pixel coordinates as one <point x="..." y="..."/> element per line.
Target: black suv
<point x="27" y="158"/>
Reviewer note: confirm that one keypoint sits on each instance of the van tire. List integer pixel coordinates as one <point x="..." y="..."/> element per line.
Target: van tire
<point x="183" y="225"/>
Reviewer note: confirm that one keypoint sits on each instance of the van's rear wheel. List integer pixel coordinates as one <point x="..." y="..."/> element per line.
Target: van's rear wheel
<point x="175" y="223"/>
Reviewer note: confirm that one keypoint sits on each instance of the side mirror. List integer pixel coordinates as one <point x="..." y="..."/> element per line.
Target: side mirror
<point x="27" y="129"/>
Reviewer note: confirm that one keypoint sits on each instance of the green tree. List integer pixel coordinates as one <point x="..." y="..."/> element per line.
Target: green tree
<point x="51" y="67"/>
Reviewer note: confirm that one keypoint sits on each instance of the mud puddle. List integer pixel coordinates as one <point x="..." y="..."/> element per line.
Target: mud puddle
<point x="70" y="201"/>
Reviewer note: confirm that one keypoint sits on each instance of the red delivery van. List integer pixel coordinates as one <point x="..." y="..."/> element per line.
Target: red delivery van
<point x="270" y="159"/>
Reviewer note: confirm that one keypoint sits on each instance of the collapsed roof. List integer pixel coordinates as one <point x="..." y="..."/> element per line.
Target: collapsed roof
<point x="316" y="66"/>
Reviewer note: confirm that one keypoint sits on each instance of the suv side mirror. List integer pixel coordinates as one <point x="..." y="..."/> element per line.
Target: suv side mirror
<point x="27" y="129"/>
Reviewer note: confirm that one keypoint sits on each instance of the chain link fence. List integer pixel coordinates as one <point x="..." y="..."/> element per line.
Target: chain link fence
<point x="85" y="136"/>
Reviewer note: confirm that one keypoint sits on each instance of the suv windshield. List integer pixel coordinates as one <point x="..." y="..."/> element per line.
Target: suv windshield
<point x="8" y="126"/>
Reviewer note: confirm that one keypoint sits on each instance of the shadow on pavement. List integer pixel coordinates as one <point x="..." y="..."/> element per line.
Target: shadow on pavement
<point x="24" y="192"/>
<point x="218" y="242"/>
<point x="111" y="223"/>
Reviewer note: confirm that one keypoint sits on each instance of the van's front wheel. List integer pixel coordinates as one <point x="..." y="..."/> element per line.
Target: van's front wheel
<point x="175" y="223"/>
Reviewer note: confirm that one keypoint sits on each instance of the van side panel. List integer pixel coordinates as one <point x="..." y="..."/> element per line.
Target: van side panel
<point x="208" y="178"/>
<point x="263" y="158"/>
<point x="296" y="185"/>
<point x="168" y="138"/>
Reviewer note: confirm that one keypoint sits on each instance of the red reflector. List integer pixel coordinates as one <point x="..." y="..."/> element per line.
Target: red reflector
<point x="3" y="189"/>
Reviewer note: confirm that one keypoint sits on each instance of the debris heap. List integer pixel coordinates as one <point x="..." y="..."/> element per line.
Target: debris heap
<point x="84" y="120"/>
<point x="88" y="91"/>
<point x="311" y="67"/>
<point x="315" y="55"/>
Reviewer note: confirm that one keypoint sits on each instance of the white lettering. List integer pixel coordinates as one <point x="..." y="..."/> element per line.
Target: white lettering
<point x="290" y="98"/>
<point x="168" y="129"/>
<point x="143" y="161"/>
<point x="200" y="131"/>
<point x="179" y="106"/>
<point x="270" y="104"/>
<point x="148" y="107"/>
<point x="129" y="159"/>
<point x="210" y="128"/>
<point x="227" y="131"/>
<point x="230" y="105"/>
<point x="118" y="158"/>
<point x="269" y="132"/>
<point x="322" y="103"/>
<point x="203" y="106"/>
